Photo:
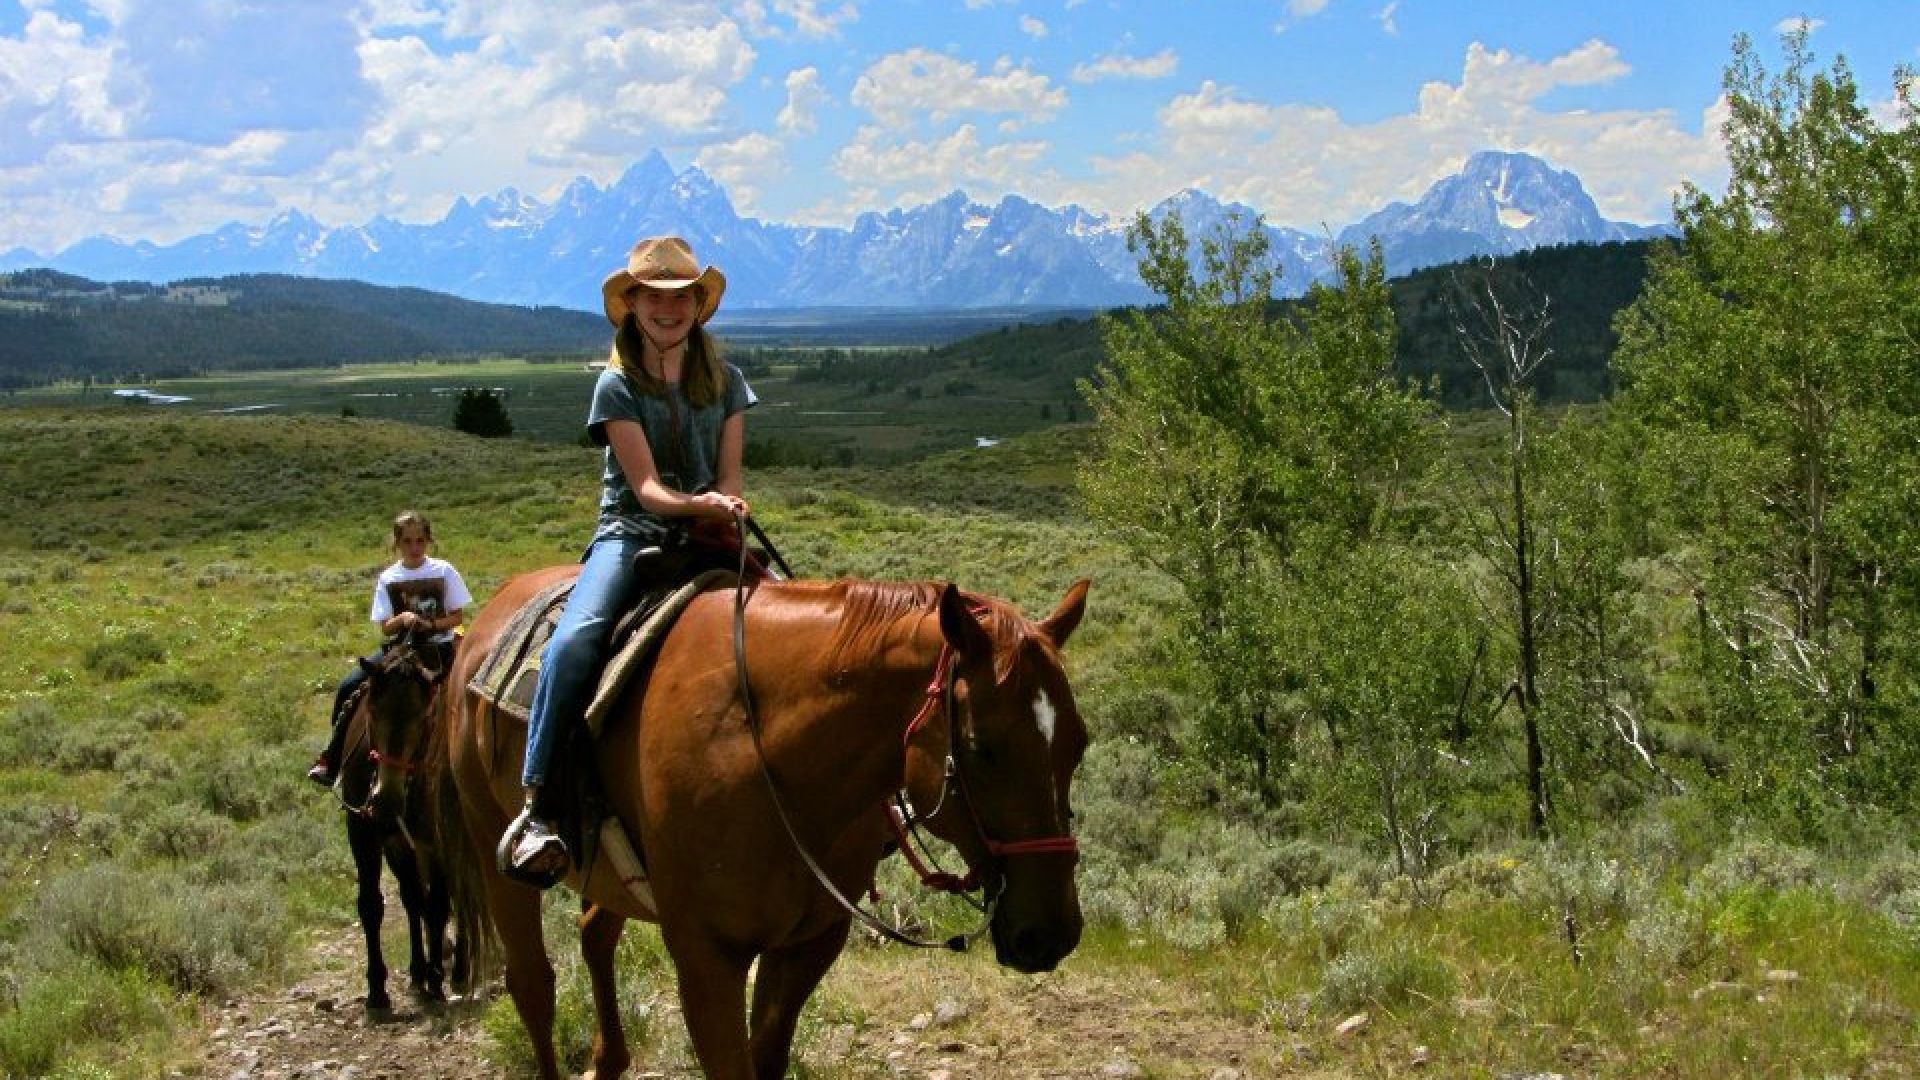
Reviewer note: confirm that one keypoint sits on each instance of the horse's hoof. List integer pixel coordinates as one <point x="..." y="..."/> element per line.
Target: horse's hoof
<point x="379" y="1002"/>
<point x="430" y="992"/>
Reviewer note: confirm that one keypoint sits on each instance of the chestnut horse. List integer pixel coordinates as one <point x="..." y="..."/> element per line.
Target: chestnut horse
<point x="391" y="818"/>
<point x="738" y="790"/>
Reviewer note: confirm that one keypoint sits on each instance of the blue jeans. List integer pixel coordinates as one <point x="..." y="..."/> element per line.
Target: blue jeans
<point x="570" y="666"/>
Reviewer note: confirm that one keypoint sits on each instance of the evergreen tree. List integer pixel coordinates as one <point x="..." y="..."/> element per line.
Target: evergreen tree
<point x="482" y="412"/>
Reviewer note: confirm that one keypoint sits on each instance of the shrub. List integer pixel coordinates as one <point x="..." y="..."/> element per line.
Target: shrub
<point x="96" y="746"/>
<point x="30" y="733"/>
<point x="187" y="690"/>
<point x="196" y="938"/>
<point x="1757" y="864"/>
<point x="1394" y="974"/>
<point x="246" y="784"/>
<point x="119" y="658"/>
<point x="160" y="717"/>
<point x="182" y="832"/>
<point x="70" y="1005"/>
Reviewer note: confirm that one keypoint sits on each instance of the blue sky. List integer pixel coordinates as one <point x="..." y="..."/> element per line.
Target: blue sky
<point x="156" y="119"/>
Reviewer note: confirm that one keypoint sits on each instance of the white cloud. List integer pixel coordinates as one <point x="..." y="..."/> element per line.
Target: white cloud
<point x="805" y="96"/>
<point x="1033" y="27"/>
<point x="902" y="87"/>
<point x="811" y="19"/>
<point x="1158" y="66"/>
<point x="1306" y="167"/>
<point x="743" y="166"/>
<point x="56" y="86"/>
<point x="1305" y="9"/>
<point x="1798" y="23"/>
<point x="1385" y="17"/>
<point x="918" y="171"/>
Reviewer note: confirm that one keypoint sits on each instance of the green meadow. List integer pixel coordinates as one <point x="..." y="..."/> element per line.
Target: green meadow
<point x="179" y="592"/>
<point x="825" y="406"/>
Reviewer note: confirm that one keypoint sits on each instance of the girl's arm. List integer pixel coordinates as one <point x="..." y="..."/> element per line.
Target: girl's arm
<point x="630" y="449"/>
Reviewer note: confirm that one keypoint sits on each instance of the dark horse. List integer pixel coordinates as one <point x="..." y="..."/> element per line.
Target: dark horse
<point x="858" y="690"/>
<point x="392" y="818"/>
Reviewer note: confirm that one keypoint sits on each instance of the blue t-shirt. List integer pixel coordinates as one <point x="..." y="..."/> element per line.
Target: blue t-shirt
<point x="689" y="466"/>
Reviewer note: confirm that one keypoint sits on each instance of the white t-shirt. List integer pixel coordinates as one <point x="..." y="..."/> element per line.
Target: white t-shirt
<point x="433" y="589"/>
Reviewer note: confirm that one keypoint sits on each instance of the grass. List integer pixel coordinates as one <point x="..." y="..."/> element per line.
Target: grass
<point x="812" y="419"/>
<point x="182" y="592"/>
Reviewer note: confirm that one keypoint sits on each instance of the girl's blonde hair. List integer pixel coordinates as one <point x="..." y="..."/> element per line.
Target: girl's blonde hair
<point x="409" y="518"/>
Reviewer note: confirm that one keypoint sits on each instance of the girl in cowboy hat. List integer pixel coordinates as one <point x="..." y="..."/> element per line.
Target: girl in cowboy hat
<point x="670" y="415"/>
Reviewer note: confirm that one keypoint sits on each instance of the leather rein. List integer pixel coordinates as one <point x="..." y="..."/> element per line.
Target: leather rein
<point x="940" y="701"/>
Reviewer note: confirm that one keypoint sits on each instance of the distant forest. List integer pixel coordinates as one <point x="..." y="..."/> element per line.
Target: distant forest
<point x="1585" y="284"/>
<point x="54" y="326"/>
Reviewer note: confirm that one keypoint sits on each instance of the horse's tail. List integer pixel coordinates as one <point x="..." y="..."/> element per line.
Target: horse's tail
<point x="475" y="936"/>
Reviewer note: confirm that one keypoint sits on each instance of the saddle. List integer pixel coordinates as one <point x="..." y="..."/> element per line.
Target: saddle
<point x="506" y="678"/>
<point x="508" y="674"/>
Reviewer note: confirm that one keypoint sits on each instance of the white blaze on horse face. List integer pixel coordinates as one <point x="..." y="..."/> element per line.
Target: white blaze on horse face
<point x="1043" y="715"/>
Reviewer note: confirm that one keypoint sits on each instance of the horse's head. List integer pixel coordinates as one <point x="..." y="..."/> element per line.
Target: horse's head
<point x="1014" y="739"/>
<point x="400" y="691"/>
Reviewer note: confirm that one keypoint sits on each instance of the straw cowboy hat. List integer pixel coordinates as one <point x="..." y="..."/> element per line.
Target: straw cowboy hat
<point x="661" y="262"/>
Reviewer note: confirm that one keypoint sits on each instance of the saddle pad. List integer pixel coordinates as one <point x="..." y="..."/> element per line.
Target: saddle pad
<point x="508" y="674"/>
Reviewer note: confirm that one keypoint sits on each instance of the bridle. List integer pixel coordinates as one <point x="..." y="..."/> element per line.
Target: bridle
<point x="404" y="653"/>
<point x="940" y="701"/>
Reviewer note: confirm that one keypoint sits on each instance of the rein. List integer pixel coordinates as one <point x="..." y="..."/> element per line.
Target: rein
<point x="940" y="699"/>
<point x="402" y="765"/>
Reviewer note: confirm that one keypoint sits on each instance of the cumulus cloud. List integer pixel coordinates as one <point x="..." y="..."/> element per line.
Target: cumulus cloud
<point x="812" y="19"/>
<point x="901" y="88"/>
<point x="743" y="165"/>
<point x="1033" y="27"/>
<point x="182" y="114"/>
<point x="1307" y="167"/>
<point x="1158" y="66"/>
<point x="917" y="171"/>
<point x="56" y="86"/>
<point x="1797" y="24"/>
<point x="805" y="96"/>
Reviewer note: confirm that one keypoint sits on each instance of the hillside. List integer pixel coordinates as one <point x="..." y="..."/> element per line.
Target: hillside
<point x="1587" y="285"/>
<point x="177" y="901"/>
<point x="55" y="326"/>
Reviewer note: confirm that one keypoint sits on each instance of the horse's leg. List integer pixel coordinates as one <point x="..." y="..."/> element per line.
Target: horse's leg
<point x="413" y="901"/>
<point x="434" y="915"/>
<point x="364" y="839"/>
<point x="529" y="974"/>
<point x="785" y="980"/>
<point x="713" y="992"/>
<point x="599" y="935"/>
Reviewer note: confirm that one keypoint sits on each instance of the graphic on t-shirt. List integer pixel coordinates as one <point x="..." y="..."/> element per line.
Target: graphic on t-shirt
<point x="426" y="597"/>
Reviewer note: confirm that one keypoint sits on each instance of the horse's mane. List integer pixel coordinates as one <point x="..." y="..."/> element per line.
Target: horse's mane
<point x="871" y="611"/>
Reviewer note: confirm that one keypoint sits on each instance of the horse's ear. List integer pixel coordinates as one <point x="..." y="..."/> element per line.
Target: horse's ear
<point x="369" y="666"/>
<point x="960" y="628"/>
<point x="1059" y="626"/>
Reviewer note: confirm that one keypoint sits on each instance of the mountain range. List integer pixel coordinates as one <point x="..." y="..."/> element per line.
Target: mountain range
<point x="951" y="253"/>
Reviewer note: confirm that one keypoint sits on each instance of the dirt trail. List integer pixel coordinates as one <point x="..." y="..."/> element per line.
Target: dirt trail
<point x="930" y="1018"/>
